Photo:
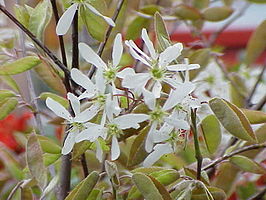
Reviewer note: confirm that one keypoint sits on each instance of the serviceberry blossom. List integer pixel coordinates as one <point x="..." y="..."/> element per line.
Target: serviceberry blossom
<point x="159" y="66"/>
<point x="110" y="69"/>
<point x="66" y="19"/>
<point x="77" y="123"/>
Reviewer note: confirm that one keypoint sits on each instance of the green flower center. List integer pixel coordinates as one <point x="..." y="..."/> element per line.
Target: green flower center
<point x="101" y="99"/>
<point x="210" y="80"/>
<point x="157" y="73"/>
<point x="157" y="115"/>
<point x="113" y="129"/>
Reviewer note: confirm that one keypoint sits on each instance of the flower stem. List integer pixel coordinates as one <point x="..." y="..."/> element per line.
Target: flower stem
<point x="196" y="142"/>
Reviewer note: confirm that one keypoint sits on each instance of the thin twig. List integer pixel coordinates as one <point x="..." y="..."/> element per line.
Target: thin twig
<point x="196" y="142"/>
<point x="216" y="34"/>
<point x="14" y="190"/>
<point x="62" y="44"/>
<point x="108" y="33"/>
<point x="38" y="42"/>
<point x="75" y="42"/>
<point x="244" y="149"/>
<point x="260" y="104"/>
<point x="256" y="85"/>
<point x="84" y="165"/>
<point x="65" y="170"/>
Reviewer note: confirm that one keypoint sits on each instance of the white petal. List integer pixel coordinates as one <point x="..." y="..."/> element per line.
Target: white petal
<point x="109" y="107"/>
<point x="69" y="143"/>
<point x="130" y="120"/>
<point x="96" y="12"/>
<point x="2" y="3"/>
<point x="182" y="67"/>
<point x="58" y="109"/>
<point x="170" y="54"/>
<point x="149" y="99"/>
<point x="74" y="102"/>
<point x="91" y="57"/>
<point x="177" y="95"/>
<point x="66" y="19"/>
<point x="82" y="80"/>
<point x="127" y="71"/>
<point x="149" y="44"/>
<point x="137" y="49"/>
<point x="136" y="81"/>
<point x="177" y="123"/>
<point x="100" y="81"/>
<point x="99" y="151"/>
<point x="87" y="114"/>
<point x="156" y="89"/>
<point x="91" y="134"/>
<point x="159" y="151"/>
<point x="115" y="150"/>
<point x="136" y="55"/>
<point x="163" y="134"/>
<point x="117" y="50"/>
<point x="149" y="140"/>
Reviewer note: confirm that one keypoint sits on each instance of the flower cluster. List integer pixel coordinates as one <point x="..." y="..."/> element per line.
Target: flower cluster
<point x="163" y="90"/>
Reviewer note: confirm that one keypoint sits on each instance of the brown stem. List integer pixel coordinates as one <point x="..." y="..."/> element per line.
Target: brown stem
<point x="75" y="42"/>
<point x="260" y="105"/>
<point x="244" y="149"/>
<point x="108" y="33"/>
<point x="84" y="165"/>
<point x="38" y="42"/>
<point x="64" y="185"/>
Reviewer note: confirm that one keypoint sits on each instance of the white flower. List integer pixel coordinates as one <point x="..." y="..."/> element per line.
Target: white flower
<point x="66" y="19"/>
<point x="110" y="70"/>
<point x="76" y="122"/>
<point x="2" y="2"/>
<point x="160" y="68"/>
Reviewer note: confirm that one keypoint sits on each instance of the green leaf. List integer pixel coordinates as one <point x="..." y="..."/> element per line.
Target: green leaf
<point x="7" y="106"/>
<point x="215" y="14"/>
<point x="6" y="94"/>
<point x="48" y="145"/>
<point x="161" y="31"/>
<point x="236" y="98"/>
<point x="255" y="44"/>
<point x="200" y="194"/>
<point x="63" y="101"/>
<point x="254" y="116"/>
<point x="246" y="164"/>
<point x="10" y="82"/>
<point x="22" y="15"/>
<point x="19" y="66"/>
<point x="187" y="12"/>
<point x="257" y="1"/>
<point x="193" y="174"/>
<point x="211" y="130"/>
<point x="232" y="119"/>
<point x="166" y="176"/>
<point x="40" y="18"/>
<point x="200" y="4"/>
<point x="49" y="158"/>
<point x="80" y="148"/>
<point x="135" y="27"/>
<point x="94" y="24"/>
<point x="149" y="187"/>
<point x="53" y="183"/>
<point x="96" y="194"/>
<point x="137" y="152"/>
<point x="35" y="163"/>
<point x="48" y="75"/>
<point x="85" y="187"/>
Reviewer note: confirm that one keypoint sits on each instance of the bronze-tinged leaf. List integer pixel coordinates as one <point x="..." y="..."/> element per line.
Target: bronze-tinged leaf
<point x="211" y="131"/>
<point x="254" y="116"/>
<point x="84" y="188"/>
<point x="246" y="164"/>
<point x="35" y="163"/>
<point x="232" y="119"/>
<point x="200" y="194"/>
<point x="215" y="14"/>
<point x="187" y="12"/>
<point x="256" y="44"/>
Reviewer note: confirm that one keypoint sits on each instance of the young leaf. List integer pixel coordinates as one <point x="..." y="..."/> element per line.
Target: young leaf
<point x="187" y="12"/>
<point x="232" y="119"/>
<point x="34" y="158"/>
<point x="10" y="82"/>
<point x="255" y="44"/>
<point x="19" y="66"/>
<point x="22" y="14"/>
<point x="6" y="94"/>
<point x="235" y="97"/>
<point x="40" y="18"/>
<point x="135" y="27"/>
<point x="215" y="14"/>
<point x="257" y="1"/>
<point x="50" y="186"/>
<point x="200" y="194"/>
<point x="84" y="188"/>
<point x="200" y="4"/>
<point x="247" y="164"/>
<point x="161" y="31"/>
<point x="149" y="187"/>
<point x="48" y="145"/>
<point x="49" y="158"/>
<point x="211" y="130"/>
<point x="7" y="106"/>
<point x="254" y="116"/>
<point x="63" y="101"/>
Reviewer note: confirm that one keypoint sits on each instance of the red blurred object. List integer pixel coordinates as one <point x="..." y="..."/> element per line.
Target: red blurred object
<point x="11" y="124"/>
